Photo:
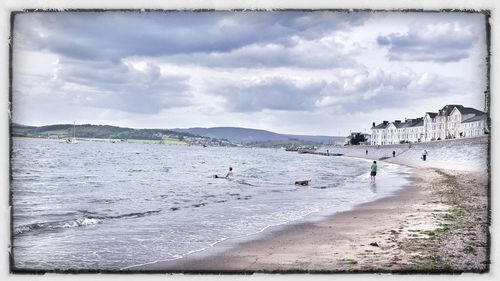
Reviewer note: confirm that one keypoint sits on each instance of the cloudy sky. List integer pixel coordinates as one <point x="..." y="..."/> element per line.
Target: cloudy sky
<point x="294" y="72"/>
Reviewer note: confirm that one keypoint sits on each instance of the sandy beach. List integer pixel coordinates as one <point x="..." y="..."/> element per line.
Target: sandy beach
<point x="438" y="223"/>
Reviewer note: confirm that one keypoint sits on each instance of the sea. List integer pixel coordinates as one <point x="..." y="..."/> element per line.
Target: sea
<point x="116" y="206"/>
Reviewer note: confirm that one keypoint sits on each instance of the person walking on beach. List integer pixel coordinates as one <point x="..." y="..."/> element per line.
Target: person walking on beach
<point x="367" y="152"/>
<point x="393" y="153"/>
<point x="424" y="155"/>
<point x="373" y="172"/>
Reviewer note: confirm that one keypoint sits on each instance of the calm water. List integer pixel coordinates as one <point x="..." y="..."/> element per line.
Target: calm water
<point x="98" y="205"/>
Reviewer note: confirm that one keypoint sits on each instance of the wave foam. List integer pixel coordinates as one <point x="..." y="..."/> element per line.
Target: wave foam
<point x="52" y="226"/>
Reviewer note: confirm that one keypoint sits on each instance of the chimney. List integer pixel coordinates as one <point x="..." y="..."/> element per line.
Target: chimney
<point x="373" y="124"/>
<point x="385" y="122"/>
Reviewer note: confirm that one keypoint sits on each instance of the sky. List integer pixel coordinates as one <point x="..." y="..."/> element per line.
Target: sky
<point x="296" y="72"/>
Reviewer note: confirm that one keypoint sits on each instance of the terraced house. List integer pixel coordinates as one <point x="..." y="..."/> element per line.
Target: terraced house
<point x="450" y="122"/>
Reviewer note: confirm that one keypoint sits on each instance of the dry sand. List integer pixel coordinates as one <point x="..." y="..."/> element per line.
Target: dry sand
<point x="439" y="223"/>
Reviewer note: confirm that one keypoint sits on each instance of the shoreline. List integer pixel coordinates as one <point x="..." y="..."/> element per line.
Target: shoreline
<point x="220" y="257"/>
<point x="382" y="191"/>
<point x="403" y="232"/>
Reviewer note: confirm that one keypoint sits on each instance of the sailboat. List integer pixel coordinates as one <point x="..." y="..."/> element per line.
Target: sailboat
<point x="73" y="140"/>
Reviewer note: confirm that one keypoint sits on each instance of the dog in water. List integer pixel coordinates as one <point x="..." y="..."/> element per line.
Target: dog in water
<point x="302" y="182"/>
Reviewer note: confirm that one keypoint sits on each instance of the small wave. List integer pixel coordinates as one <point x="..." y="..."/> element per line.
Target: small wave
<point x="133" y="215"/>
<point x="104" y="201"/>
<point x="54" y="226"/>
<point x="199" y="205"/>
<point x="89" y="219"/>
<point x="81" y="222"/>
<point x="135" y="170"/>
<point x="244" y="182"/>
<point x="129" y="215"/>
<point x="86" y="212"/>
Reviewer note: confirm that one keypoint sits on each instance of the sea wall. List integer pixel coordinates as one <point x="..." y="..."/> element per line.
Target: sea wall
<point x="456" y="154"/>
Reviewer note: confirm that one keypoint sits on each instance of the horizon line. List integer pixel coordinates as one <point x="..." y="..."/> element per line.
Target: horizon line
<point x="171" y="129"/>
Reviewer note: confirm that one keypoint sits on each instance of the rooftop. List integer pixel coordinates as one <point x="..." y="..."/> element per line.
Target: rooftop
<point x="382" y="125"/>
<point x="469" y="110"/>
<point x="447" y="109"/>
<point x="483" y="116"/>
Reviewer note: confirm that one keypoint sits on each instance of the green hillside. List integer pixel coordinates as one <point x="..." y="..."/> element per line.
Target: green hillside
<point x="110" y="133"/>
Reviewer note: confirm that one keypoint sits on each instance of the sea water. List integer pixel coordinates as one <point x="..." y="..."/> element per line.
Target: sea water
<point x="113" y="206"/>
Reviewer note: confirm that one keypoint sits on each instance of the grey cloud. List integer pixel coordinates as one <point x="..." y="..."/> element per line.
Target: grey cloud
<point x="119" y="86"/>
<point x="306" y="54"/>
<point x="440" y="42"/>
<point x="115" y="35"/>
<point x="347" y="94"/>
<point x="274" y="93"/>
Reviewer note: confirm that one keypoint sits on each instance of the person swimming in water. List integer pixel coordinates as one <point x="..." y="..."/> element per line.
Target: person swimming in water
<point x="229" y="174"/>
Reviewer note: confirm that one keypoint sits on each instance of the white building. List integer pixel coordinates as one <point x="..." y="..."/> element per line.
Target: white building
<point x="475" y="126"/>
<point x="413" y="130"/>
<point x="461" y="114"/>
<point x="429" y="126"/>
<point x="452" y="121"/>
<point x="379" y="133"/>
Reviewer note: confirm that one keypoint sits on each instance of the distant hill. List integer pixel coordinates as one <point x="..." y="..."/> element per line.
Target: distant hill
<point x="202" y="136"/>
<point x="63" y="131"/>
<point x="247" y="136"/>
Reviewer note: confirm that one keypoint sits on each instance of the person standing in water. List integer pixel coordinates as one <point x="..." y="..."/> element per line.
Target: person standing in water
<point x="373" y="171"/>
<point x="230" y="172"/>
